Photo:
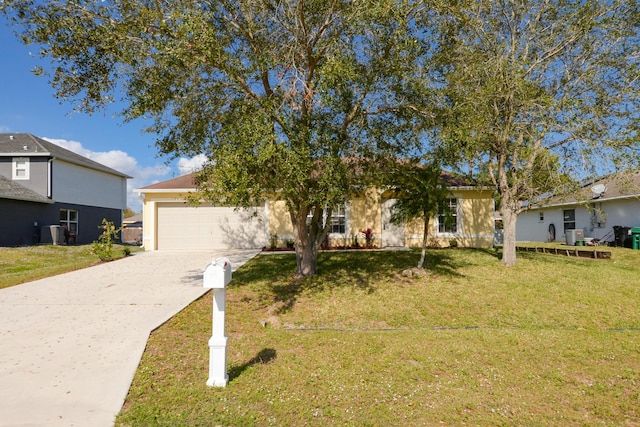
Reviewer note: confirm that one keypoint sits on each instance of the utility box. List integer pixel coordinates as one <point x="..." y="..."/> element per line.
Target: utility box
<point x="635" y="237"/>
<point x="217" y="275"/>
<point x="574" y="237"/>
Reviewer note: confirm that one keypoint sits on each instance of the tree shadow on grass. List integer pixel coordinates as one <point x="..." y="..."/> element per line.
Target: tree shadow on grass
<point x="265" y="267"/>
<point x="492" y="252"/>
<point x="362" y="271"/>
<point x="264" y="356"/>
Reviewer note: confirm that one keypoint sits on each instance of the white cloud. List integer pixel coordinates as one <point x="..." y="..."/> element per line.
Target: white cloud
<point x="193" y="164"/>
<point x="122" y="162"/>
<point x="125" y="163"/>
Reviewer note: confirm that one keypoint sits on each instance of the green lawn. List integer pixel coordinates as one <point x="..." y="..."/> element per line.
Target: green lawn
<point x="551" y="341"/>
<point x="27" y="263"/>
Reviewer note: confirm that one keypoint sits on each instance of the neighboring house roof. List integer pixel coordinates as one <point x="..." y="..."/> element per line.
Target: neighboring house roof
<point x="132" y="219"/>
<point x="611" y="187"/>
<point x="12" y="190"/>
<point x="25" y="144"/>
<point x="184" y="182"/>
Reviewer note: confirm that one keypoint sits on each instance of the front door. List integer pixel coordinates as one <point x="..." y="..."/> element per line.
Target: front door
<point x="392" y="234"/>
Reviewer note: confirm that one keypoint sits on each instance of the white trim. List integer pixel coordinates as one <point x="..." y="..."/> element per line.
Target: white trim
<point x="31" y="154"/>
<point x="49" y="179"/>
<point x="164" y="190"/>
<point x="152" y="227"/>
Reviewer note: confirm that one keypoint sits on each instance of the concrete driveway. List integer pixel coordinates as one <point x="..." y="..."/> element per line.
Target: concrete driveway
<point x="70" y="344"/>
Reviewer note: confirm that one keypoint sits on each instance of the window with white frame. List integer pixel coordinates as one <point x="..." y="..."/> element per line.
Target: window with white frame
<point x="541" y="216"/>
<point x="20" y="168"/>
<point x="69" y="220"/>
<point x="448" y="218"/>
<point x="338" y="222"/>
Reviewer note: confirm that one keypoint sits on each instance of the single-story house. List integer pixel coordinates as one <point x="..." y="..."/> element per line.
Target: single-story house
<point x="596" y="208"/>
<point x="171" y="223"/>
<point x="51" y="195"/>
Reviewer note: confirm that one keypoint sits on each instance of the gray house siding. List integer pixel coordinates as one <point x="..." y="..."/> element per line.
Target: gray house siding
<point x="18" y="217"/>
<point x="38" y="173"/>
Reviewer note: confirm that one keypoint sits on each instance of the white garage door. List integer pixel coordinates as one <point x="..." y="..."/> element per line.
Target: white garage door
<point x="209" y="227"/>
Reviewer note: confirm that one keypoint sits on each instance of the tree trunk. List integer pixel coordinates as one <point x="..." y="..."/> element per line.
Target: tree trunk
<point x="307" y="241"/>
<point x="306" y="259"/>
<point x="425" y="237"/>
<point x="509" y="218"/>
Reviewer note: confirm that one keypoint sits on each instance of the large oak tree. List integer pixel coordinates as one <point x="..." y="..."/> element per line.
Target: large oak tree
<point x="537" y="91"/>
<point x="294" y="99"/>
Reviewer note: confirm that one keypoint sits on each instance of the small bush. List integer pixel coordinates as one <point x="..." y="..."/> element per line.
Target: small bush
<point x="103" y="247"/>
<point x="273" y="241"/>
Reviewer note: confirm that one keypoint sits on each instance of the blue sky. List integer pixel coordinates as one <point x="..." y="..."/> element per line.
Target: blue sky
<point x="28" y="105"/>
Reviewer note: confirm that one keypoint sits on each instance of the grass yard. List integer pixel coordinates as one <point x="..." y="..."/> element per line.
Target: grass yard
<point x="551" y="341"/>
<point x="27" y="263"/>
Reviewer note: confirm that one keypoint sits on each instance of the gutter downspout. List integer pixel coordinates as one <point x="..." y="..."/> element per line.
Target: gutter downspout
<point x="50" y="178"/>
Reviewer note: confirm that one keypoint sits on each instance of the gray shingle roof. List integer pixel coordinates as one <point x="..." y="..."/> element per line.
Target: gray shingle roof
<point x="28" y="145"/>
<point x="12" y="190"/>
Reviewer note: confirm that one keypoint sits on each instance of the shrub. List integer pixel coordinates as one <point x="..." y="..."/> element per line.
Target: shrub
<point x="368" y="237"/>
<point x="273" y="241"/>
<point x="103" y="247"/>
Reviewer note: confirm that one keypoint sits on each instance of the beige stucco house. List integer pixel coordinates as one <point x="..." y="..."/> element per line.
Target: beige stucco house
<point x="171" y="223"/>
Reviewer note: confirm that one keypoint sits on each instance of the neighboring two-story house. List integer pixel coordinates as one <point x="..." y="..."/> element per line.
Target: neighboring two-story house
<point x="46" y="190"/>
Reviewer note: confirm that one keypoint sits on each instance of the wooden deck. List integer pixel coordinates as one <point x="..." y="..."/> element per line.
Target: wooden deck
<point x="574" y="251"/>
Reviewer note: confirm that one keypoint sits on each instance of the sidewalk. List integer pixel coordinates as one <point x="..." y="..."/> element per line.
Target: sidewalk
<point x="70" y="344"/>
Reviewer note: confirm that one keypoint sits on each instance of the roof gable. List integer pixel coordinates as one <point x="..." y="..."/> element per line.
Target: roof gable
<point x="25" y="144"/>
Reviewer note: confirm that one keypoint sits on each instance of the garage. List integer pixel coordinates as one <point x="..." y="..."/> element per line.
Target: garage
<point x="184" y="227"/>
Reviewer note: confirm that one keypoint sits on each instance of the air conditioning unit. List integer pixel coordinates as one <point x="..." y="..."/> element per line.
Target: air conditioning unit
<point x="53" y="234"/>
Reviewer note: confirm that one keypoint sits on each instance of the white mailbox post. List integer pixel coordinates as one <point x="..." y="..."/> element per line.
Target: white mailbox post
<point x="216" y="276"/>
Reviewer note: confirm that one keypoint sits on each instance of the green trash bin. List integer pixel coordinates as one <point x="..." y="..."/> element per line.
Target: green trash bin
<point x="635" y="237"/>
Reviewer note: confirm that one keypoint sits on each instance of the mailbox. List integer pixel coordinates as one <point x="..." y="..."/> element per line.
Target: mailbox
<point x="217" y="275"/>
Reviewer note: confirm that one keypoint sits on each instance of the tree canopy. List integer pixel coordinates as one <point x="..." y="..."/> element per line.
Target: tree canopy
<point x="422" y="193"/>
<point x="294" y="98"/>
<point x="535" y="92"/>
